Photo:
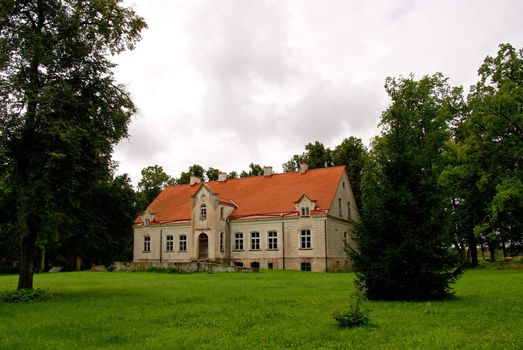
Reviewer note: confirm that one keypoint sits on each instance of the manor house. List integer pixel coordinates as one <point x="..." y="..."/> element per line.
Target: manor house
<point x="297" y="221"/>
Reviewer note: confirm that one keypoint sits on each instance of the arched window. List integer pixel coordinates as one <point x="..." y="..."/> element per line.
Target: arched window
<point x="203" y="212"/>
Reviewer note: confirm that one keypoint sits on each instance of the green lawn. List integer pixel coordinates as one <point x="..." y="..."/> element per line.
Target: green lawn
<point x="266" y="310"/>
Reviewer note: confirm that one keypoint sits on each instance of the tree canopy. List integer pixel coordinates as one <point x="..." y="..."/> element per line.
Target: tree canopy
<point x="61" y="110"/>
<point x="403" y="250"/>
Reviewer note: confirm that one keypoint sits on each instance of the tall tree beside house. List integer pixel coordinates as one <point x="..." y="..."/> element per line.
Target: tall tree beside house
<point x="485" y="160"/>
<point x="153" y="181"/>
<point x="254" y="170"/>
<point x="194" y="170"/>
<point x="212" y="174"/>
<point x="404" y="252"/>
<point x="316" y="155"/>
<point x="351" y="152"/>
<point x="106" y="230"/>
<point x="61" y="110"/>
<point x="232" y="175"/>
<point x="8" y="239"/>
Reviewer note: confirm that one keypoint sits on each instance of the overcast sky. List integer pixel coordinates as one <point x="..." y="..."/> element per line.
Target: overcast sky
<point x="229" y="82"/>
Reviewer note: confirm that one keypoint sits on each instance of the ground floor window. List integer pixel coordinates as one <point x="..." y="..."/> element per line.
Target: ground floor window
<point x="222" y="241"/>
<point x="306" y="266"/>
<point x="169" y="243"/>
<point x="255" y="241"/>
<point x="238" y="264"/>
<point x="238" y="241"/>
<point x="305" y="239"/>
<point x="183" y="243"/>
<point x="272" y="240"/>
<point x="255" y="265"/>
<point x="147" y="244"/>
<point x="270" y="266"/>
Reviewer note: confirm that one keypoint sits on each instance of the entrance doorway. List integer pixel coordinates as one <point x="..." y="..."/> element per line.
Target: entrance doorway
<point x="203" y="246"/>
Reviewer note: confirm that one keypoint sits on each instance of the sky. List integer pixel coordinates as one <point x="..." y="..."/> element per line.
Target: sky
<point x="226" y="83"/>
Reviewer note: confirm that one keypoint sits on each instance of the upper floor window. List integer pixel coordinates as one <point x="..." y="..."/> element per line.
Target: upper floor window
<point x="203" y="212"/>
<point x="348" y="209"/>
<point x="343" y="184"/>
<point x="340" y="207"/>
<point x="147" y="244"/>
<point x="169" y="243"/>
<point x="221" y="213"/>
<point x="272" y="240"/>
<point x="305" y="239"/>
<point x="183" y="243"/>
<point x="305" y="211"/>
<point x="238" y="241"/>
<point x="255" y="241"/>
<point x="222" y="242"/>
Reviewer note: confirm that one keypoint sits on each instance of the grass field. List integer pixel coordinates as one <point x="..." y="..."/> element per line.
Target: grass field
<point x="266" y="310"/>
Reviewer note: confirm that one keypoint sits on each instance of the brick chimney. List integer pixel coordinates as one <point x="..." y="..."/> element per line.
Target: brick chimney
<point x="303" y="168"/>
<point x="194" y="180"/>
<point x="267" y="170"/>
<point x="222" y="177"/>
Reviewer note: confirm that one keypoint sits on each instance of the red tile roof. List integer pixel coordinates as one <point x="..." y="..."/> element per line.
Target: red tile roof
<point x="253" y="196"/>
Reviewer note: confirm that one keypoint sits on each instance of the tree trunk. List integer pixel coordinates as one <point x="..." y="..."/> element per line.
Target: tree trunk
<point x="27" y="254"/>
<point x="42" y="260"/>
<point x="473" y="249"/>
<point x="492" y="250"/>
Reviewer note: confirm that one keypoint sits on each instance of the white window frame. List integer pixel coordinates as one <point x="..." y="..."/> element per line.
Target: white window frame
<point x="238" y="241"/>
<point x="182" y="243"/>
<point x="147" y="244"/>
<point x="255" y="240"/>
<point x="305" y="239"/>
<point x="169" y="243"/>
<point x="272" y="240"/>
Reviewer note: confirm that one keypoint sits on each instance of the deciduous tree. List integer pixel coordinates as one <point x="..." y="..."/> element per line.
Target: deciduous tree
<point x="61" y="111"/>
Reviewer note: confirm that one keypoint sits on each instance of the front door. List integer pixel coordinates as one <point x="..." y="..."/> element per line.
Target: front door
<point x="203" y="246"/>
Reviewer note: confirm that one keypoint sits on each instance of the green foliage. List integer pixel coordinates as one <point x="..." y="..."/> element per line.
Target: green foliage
<point x="194" y="170"/>
<point x="403" y="249"/>
<point x="351" y="152"/>
<point x="161" y="269"/>
<point x="254" y="170"/>
<point x="153" y="181"/>
<point x="26" y="295"/>
<point x="212" y="174"/>
<point x="355" y="315"/>
<point x="232" y="175"/>
<point x="61" y="111"/>
<point x="315" y="156"/>
<point x="484" y="160"/>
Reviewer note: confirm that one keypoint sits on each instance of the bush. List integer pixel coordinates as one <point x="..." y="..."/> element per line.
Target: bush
<point x="355" y="316"/>
<point x="162" y="269"/>
<point x="26" y="295"/>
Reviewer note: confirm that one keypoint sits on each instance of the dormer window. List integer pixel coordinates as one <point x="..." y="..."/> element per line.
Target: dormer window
<point x="203" y="212"/>
<point x="147" y="222"/>
<point x="305" y="211"/>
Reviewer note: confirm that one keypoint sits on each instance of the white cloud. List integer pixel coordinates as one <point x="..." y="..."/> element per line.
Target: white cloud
<point x="227" y="83"/>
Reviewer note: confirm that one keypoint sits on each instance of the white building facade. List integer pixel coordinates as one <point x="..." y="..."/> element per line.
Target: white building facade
<point x="296" y="221"/>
